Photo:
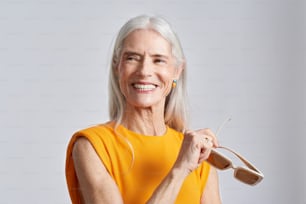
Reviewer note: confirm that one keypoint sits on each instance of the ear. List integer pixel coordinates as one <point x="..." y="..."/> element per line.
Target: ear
<point x="116" y="71"/>
<point x="115" y="67"/>
<point x="178" y="70"/>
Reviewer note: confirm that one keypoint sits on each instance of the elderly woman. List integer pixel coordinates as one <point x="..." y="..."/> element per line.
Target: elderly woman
<point x="144" y="154"/>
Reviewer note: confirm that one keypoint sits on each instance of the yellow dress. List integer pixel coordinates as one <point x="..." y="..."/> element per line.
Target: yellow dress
<point x="136" y="174"/>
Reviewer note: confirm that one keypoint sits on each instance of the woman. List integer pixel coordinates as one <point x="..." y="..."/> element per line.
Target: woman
<point x="144" y="154"/>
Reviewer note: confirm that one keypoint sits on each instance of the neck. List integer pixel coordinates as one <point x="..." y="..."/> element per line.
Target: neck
<point x="146" y="121"/>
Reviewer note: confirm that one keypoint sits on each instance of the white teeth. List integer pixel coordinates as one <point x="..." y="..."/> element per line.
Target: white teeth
<point x="144" y="86"/>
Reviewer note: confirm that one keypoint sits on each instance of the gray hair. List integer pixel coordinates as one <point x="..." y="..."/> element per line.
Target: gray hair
<point x="175" y="112"/>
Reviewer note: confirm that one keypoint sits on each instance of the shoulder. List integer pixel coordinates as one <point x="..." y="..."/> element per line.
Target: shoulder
<point x="96" y="129"/>
<point x="97" y="134"/>
<point x="93" y="133"/>
<point x="83" y="152"/>
<point x="89" y="139"/>
<point x="81" y="146"/>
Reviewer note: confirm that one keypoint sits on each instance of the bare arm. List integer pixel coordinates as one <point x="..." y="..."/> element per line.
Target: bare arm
<point x="168" y="190"/>
<point x="211" y="193"/>
<point x="96" y="185"/>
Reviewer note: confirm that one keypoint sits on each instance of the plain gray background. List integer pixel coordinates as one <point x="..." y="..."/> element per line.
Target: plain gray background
<point x="245" y="59"/>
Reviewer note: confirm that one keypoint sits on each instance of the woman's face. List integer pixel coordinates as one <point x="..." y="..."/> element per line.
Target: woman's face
<point x="146" y="69"/>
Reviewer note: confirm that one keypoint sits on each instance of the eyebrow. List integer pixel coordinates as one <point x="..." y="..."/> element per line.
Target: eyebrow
<point x="153" y="55"/>
<point x="130" y="53"/>
<point x="160" y="56"/>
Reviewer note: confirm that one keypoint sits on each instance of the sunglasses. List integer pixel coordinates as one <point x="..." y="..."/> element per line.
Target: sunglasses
<point x="248" y="174"/>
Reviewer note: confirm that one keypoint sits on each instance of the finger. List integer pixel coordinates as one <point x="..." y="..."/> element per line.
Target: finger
<point x="212" y="136"/>
<point x="204" y="155"/>
<point x="208" y="141"/>
<point x="206" y="146"/>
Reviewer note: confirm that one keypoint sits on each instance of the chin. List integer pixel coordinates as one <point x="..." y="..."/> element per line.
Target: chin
<point x="144" y="104"/>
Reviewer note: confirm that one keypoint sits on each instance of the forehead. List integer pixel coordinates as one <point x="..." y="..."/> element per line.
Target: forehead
<point x="147" y="41"/>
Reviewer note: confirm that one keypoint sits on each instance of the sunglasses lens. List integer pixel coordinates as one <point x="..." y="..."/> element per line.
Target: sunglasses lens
<point x="247" y="176"/>
<point x="218" y="160"/>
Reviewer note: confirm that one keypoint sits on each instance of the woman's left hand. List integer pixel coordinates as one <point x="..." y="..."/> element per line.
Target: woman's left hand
<point x="211" y="140"/>
<point x="195" y="148"/>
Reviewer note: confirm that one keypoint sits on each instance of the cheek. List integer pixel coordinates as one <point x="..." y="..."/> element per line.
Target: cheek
<point x="168" y="80"/>
<point x="168" y="89"/>
<point x="122" y="82"/>
<point x="125" y="70"/>
<point x="167" y="75"/>
<point x="122" y="73"/>
<point x="121" y="77"/>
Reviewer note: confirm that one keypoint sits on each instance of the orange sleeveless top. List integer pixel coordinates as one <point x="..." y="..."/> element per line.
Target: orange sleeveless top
<point x="137" y="163"/>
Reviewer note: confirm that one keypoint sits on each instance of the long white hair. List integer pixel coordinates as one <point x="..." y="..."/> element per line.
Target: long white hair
<point x="175" y="107"/>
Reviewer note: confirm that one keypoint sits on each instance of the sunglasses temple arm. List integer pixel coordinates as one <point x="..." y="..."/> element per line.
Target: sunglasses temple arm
<point x="222" y="125"/>
<point x="246" y="162"/>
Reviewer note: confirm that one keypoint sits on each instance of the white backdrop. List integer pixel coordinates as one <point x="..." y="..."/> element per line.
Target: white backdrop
<point x="244" y="57"/>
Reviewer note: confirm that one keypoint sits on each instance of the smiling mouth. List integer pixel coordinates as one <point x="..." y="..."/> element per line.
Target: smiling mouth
<point x="144" y="87"/>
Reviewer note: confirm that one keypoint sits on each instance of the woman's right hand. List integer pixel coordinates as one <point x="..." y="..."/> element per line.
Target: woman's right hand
<point x="195" y="149"/>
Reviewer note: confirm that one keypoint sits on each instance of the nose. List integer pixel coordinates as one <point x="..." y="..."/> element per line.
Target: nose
<point x="145" y="68"/>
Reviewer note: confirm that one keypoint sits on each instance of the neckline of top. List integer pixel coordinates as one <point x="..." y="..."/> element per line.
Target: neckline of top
<point x="125" y="129"/>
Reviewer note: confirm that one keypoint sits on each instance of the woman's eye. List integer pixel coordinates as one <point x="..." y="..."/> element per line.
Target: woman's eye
<point x="131" y="58"/>
<point x="160" y="61"/>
